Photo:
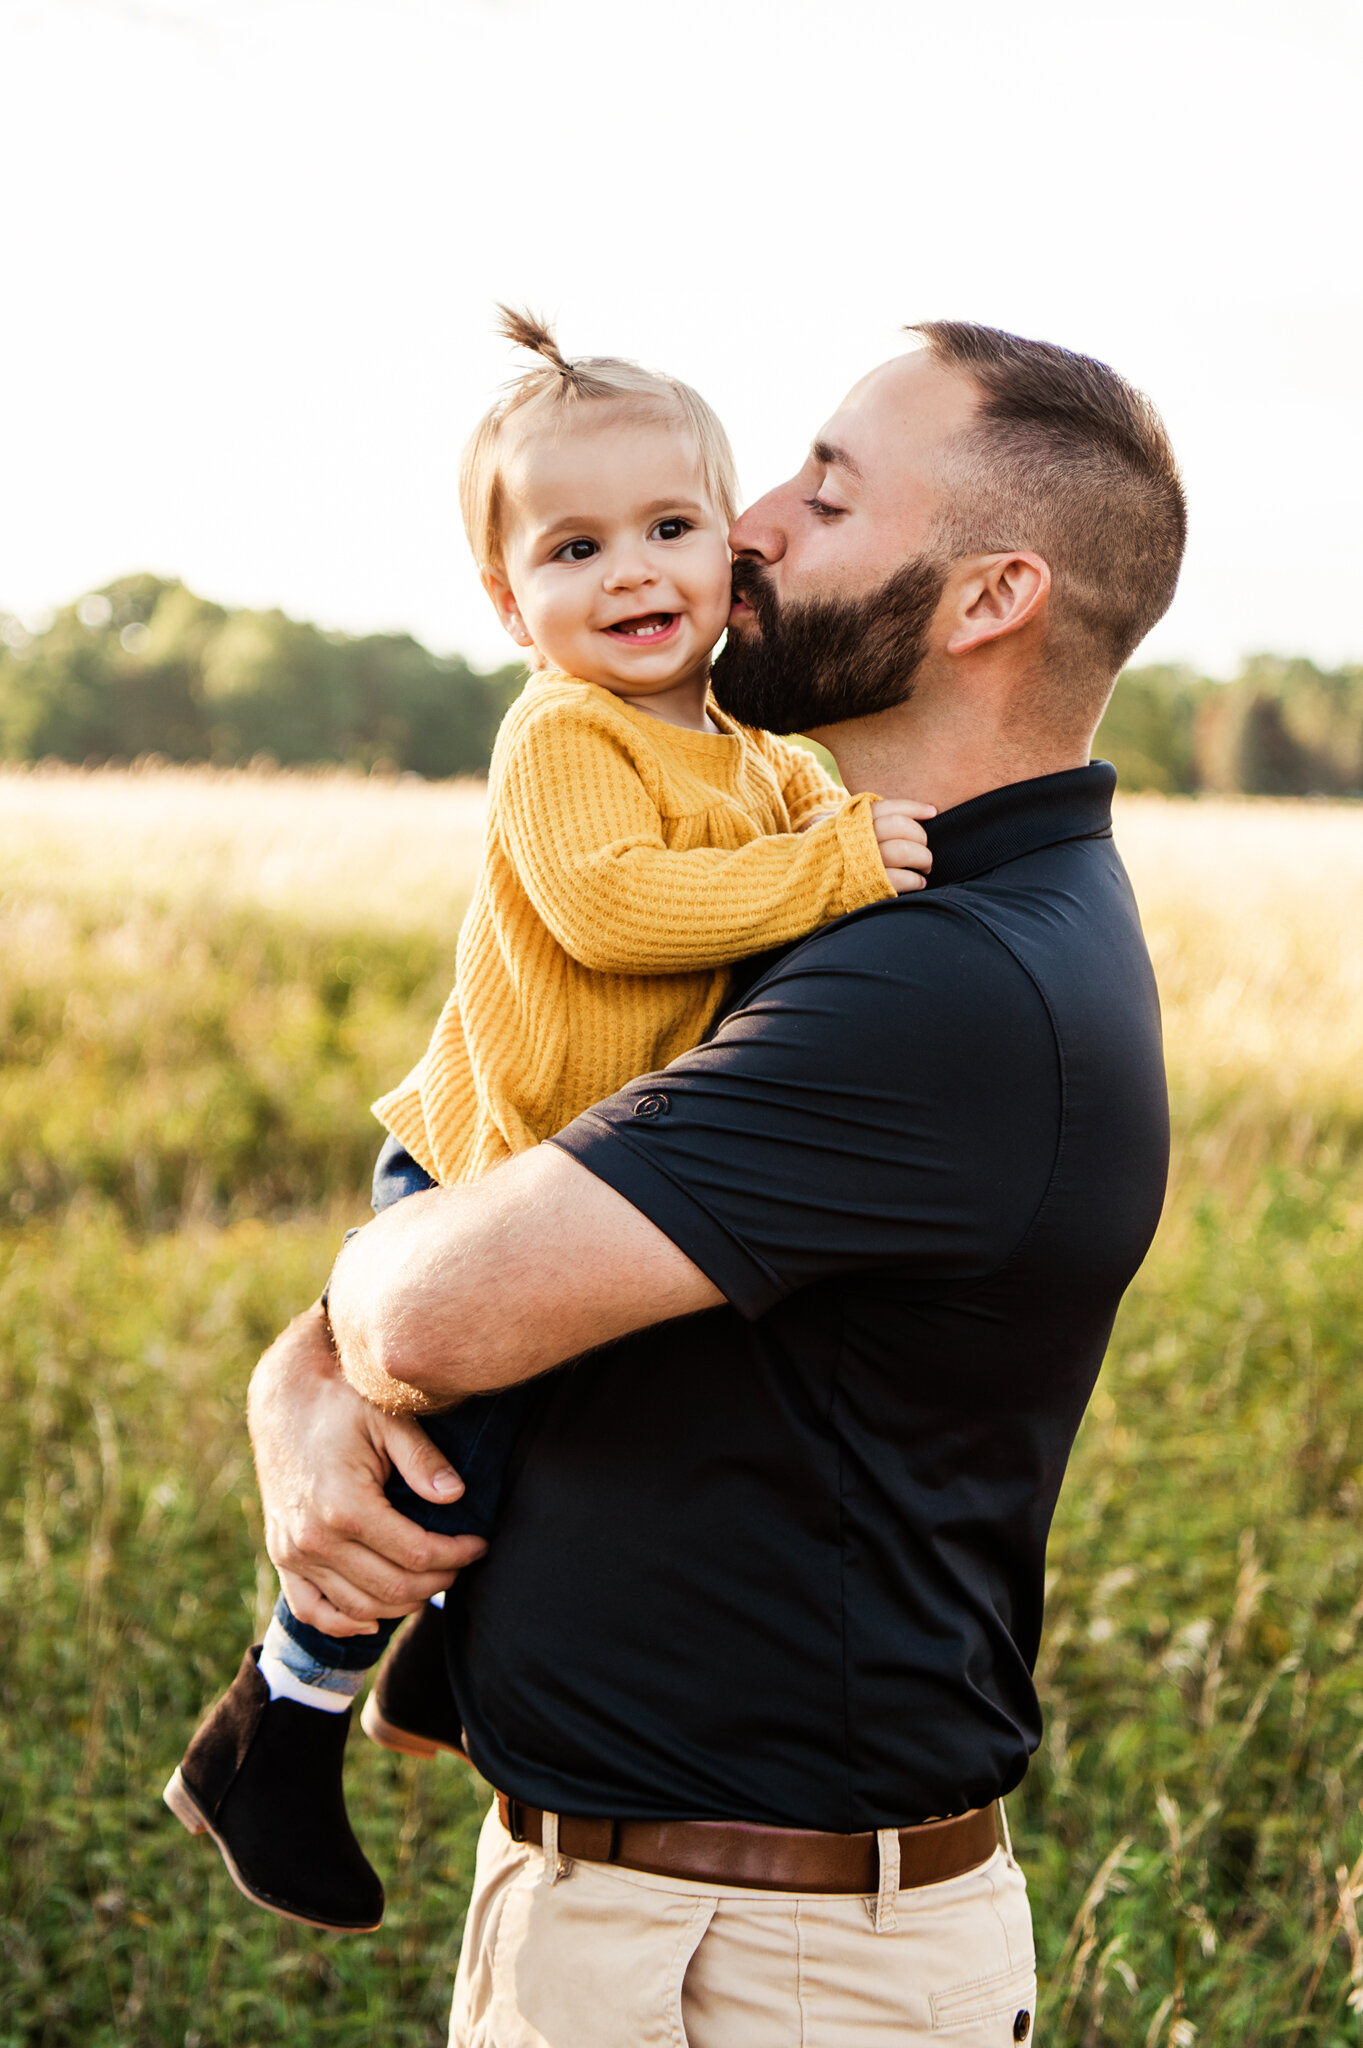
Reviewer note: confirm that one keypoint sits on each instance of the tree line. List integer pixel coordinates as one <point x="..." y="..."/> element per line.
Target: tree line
<point x="1283" y="727"/>
<point x="144" y="666"/>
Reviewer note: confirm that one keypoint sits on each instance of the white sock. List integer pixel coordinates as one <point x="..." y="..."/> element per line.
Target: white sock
<point x="286" y="1685"/>
<point x="293" y="1673"/>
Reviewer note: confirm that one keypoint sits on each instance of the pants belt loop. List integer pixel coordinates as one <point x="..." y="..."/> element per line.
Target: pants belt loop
<point x="887" y="1843"/>
<point x="1005" y="1831"/>
<point x="553" y="1862"/>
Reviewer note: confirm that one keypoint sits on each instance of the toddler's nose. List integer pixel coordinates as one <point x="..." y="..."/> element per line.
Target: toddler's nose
<point x="628" y="569"/>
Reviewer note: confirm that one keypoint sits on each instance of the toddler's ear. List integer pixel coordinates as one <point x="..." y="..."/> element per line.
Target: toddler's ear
<point x="504" y="603"/>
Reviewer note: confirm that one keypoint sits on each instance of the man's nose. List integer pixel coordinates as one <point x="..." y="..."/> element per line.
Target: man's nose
<point x="761" y="530"/>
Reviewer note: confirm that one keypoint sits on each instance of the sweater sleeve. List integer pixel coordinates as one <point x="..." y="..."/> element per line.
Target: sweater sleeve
<point x="806" y="785"/>
<point x="585" y="836"/>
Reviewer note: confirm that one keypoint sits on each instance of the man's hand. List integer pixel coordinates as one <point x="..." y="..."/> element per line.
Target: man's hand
<point x="344" y="1556"/>
<point x="903" y="842"/>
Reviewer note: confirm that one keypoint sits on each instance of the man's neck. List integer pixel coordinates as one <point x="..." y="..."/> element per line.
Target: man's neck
<point x="899" y="757"/>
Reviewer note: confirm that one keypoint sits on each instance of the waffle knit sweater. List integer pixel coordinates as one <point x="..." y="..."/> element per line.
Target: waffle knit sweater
<point x="628" y="864"/>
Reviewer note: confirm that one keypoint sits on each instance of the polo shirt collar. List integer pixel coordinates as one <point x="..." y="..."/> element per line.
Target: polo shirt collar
<point x="1004" y="824"/>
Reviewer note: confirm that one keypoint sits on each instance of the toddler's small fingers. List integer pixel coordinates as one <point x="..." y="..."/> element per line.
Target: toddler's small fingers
<point x="900" y="825"/>
<point x="905" y="853"/>
<point x="903" y="881"/>
<point x="906" y="805"/>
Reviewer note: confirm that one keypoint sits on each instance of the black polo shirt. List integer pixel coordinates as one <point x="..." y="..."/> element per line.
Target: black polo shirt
<point x="782" y="1561"/>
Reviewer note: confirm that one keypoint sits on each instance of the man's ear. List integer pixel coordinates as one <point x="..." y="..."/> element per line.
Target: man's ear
<point x="504" y="603"/>
<point x="998" y="594"/>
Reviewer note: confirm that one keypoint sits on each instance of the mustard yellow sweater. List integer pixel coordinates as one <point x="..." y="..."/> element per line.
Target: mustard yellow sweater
<point x="628" y="863"/>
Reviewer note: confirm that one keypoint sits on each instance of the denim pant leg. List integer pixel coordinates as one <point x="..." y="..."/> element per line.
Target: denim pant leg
<point x="477" y="1437"/>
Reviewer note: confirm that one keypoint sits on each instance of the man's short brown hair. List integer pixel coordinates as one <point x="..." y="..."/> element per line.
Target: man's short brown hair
<point x="1068" y="461"/>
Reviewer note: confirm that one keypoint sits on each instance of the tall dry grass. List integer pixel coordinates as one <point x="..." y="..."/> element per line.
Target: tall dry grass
<point x="1254" y="912"/>
<point x="329" y="848"/>
<point x="1253" y="907"/>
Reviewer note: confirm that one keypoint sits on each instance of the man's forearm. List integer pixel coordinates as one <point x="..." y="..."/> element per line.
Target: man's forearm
<point x="465" y="1290"/>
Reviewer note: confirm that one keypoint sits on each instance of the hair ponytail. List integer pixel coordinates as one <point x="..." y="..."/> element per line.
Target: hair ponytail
<point x="537" y="338"/>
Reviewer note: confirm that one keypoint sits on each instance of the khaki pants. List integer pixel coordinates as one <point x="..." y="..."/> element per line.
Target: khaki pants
<point x="611" y="1958"/>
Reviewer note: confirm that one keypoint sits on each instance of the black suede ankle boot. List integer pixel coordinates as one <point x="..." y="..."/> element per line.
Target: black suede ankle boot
<point x="263" y="1778"/>
<point x="411" y="1706"/>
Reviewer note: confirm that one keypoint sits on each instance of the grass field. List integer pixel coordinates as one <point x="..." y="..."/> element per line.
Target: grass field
<point x="203" y="980"/>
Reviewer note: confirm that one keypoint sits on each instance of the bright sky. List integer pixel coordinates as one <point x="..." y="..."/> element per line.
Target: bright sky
<point x="251" y="247"/>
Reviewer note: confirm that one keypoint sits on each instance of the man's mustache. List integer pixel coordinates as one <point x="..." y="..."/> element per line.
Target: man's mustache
<point x="750" y="582"/>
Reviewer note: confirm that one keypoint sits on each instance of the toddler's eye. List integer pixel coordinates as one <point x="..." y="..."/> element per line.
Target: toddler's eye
<point x="671" y="529"/>
<point x="576" y="551"/>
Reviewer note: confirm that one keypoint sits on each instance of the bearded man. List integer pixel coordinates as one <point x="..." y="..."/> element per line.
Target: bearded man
<point x="749" y="1660"/>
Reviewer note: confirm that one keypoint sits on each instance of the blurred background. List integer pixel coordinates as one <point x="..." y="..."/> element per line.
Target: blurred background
<point x="252" y="246"/>
<point x="248" y="686"/>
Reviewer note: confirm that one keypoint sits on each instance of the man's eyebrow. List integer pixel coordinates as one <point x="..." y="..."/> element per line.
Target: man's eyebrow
<point x="836" y="458"/>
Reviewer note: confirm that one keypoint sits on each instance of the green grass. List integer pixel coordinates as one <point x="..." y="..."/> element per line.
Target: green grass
<point x="184" y="1136"/>
<point x="1191" y="1826"/>
<point x="163" y="1083"/>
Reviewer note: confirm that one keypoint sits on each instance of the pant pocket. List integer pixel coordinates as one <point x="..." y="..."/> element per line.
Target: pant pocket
<point x="993" y="2009"/>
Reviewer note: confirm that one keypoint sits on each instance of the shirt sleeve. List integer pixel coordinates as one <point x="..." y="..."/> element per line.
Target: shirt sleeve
<point x="806" y="785"/>
<point x="888" y="1097"/>
<point x="584" y="833"/>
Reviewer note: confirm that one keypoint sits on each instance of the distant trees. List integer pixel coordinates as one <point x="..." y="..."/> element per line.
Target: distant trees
<point x="1148" y="729"/>
<point x="1282" y="728"/>
<point x="144" y="666"/>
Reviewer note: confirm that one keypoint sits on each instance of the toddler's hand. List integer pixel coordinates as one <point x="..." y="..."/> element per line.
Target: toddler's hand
<point x="903" y="842"/>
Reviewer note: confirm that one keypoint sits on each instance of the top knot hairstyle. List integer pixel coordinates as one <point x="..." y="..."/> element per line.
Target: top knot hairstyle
<point x="549" y="398"/>
<point x="536" y="337"/>
<point x="1069" y="460"/>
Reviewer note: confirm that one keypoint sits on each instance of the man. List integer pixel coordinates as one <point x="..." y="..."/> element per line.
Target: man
<point x="749" y="1658"/>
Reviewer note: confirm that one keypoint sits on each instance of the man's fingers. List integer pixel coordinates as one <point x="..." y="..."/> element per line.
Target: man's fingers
<point x="427" y="1470"/>
<point x="395" y="1561"/>
<point x="389" y="1540"/>
<point x="370" y="1564"/>
<point x="363" y="1587"/>
<point x="311" y="1605"/>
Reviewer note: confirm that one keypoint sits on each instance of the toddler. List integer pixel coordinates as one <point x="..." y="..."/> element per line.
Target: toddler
<point x="639" y="844"/>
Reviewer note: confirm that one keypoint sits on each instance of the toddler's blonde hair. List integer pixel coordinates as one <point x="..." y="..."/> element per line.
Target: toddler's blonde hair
<point x="547" y="396"/>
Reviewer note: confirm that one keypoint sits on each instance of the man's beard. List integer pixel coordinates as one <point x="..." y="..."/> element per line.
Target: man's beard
<point x="828" y="659"/>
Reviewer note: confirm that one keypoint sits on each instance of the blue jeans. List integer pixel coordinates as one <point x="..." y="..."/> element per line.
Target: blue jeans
<point x="477" y="1438"/>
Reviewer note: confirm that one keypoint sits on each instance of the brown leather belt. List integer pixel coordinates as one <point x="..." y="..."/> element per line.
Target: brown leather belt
<point x="764" y="1859"/>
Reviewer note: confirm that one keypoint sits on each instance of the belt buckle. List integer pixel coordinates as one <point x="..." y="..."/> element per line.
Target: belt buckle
<point x="513" y="1820"/>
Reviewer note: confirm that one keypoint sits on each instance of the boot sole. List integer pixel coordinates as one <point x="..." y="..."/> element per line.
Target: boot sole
<point x="191" y="1815"/>
<point x="388" y="1735"/>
